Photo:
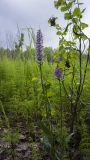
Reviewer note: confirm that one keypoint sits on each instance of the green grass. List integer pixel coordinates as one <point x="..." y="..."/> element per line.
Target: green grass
<point x="22" y="98"/>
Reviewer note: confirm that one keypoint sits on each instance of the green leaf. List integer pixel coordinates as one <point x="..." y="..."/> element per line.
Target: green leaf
<point x="83" y="25"/>
<point x="59" y="3"/>
<point x="77" y="12"/>
<point x="59" y="33"/>
<point x="67" y="7"/>
<point x="76" y="29"/>
<point x="50" y="94"/>
<point x="34" y="79"/>
<point x="67" y="16"/>
<point x="75" y="20"/>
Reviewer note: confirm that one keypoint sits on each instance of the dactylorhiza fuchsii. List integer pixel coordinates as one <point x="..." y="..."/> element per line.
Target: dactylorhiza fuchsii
<point x="39" y="46"/>
<point x="58" y="73"/>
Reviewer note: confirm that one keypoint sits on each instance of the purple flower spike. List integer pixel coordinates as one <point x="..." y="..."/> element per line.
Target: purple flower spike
<point x="58" y="73"/>
<point x="39" y="46"/>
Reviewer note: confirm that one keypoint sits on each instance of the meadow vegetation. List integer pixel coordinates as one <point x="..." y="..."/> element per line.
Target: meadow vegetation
<point x="44" y="94"/>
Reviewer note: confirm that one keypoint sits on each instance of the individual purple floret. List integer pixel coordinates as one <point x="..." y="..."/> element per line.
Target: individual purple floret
<point x="58" y="73"/>
<point x="39" y="46"/>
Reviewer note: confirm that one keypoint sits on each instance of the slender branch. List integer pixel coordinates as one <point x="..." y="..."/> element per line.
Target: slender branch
<point x="85" y="71"/>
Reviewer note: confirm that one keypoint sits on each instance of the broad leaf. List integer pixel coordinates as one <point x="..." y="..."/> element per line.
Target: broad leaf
<point x="83" y="25"/>
<point x="77" y="12"/>
<point x="67" y="16"/>
<point x="67" y="7"/>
